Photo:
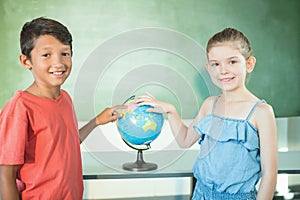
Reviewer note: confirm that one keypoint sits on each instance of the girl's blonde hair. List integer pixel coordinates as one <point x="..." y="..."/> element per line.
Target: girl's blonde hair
<point x="234" y="36"/>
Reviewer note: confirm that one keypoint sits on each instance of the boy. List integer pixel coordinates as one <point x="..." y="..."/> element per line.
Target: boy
<point x="39" y="137"/>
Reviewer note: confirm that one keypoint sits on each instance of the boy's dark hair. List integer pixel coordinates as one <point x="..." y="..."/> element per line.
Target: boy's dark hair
<point x="42" y="26"/>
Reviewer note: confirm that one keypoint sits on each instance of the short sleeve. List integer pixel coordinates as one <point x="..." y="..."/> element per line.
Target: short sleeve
<point x="13" y="132"/>
<point x="69" y="99"/>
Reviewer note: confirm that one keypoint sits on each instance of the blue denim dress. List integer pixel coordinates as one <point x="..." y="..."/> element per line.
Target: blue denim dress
<point x="228" y="166"/>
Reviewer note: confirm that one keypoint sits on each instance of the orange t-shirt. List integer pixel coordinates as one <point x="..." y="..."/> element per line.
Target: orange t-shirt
<point x="42" y="136"/>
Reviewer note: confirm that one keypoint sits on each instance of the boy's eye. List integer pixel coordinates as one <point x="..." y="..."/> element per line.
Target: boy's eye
<point x="66" y="54"/>
<point x="46" y="55"/>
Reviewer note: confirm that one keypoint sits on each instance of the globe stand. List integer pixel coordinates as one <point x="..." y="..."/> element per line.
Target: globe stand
<point x="139" y="165"/>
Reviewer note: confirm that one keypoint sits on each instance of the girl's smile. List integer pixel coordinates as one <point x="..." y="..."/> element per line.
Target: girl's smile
<point x="227" y="67"/>
<point x="226" y="79"/>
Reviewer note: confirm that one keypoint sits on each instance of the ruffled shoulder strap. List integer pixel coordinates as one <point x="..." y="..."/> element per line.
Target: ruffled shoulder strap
<point x="253" y="108"/>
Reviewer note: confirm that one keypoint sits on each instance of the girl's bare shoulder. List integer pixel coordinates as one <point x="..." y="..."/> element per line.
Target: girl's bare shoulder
<point x="263" y="115"/>
<point x="207" y="105"/>
<point x="264" y="109"/>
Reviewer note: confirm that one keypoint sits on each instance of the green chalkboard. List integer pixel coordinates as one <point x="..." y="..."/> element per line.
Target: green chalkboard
<point x="124" y="47"/>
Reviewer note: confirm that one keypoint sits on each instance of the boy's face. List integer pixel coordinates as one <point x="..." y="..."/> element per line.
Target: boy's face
<point x="51" y="61"/>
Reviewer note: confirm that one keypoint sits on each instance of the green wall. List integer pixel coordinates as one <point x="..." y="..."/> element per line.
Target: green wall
<point x="124" y="47"/>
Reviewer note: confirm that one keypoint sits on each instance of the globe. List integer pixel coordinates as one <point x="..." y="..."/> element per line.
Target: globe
<point x="139" y="127"/>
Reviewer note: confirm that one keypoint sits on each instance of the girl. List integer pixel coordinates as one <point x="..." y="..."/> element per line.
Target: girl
<point x="236" y="130"/>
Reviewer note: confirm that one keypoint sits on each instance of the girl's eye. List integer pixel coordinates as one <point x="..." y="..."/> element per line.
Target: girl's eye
<point x="214" y="64"/>
<point x="232" y="62"/>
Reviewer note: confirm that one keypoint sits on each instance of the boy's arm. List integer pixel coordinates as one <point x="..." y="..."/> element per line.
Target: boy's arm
<point x="107" y="115"/>
<point x="8" y="187"/>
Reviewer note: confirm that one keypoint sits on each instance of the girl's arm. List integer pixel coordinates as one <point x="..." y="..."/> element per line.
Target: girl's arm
<point x="184" y="136"/>
<point x="107" y="115"/>
<point x="8" y="187"/>
<point x="266" y="125"/>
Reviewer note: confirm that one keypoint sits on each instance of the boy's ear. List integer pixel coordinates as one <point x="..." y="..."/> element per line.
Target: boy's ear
<point x="25" y="61"/>
<point x="250" y="64"/>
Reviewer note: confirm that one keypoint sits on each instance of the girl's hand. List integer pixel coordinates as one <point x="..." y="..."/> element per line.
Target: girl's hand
<point x="109" y="115"/>
<point x="157" y="106"/>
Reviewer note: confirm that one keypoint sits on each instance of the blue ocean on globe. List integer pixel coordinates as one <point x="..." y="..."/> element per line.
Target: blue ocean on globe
<point x="139" y="127"/>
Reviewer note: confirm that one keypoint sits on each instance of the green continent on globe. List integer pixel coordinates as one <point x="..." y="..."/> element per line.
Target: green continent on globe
<point x="149" y="125"/>
<point x="137" y="126"/>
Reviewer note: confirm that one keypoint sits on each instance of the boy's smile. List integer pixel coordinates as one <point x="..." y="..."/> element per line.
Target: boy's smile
<point x="50" y="63"/>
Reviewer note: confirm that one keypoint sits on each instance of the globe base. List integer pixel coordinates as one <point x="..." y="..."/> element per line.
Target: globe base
<point x="139" y="165"/>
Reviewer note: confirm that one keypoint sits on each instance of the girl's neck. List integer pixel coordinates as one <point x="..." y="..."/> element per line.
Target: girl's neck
<point x="234" y="96"/>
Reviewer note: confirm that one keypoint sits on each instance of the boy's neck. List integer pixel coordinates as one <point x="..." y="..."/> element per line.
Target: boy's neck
<point x="40" y="91"/>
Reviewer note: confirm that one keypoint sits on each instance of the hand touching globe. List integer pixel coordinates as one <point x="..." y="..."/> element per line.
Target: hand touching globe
<point x="138" y="128"/>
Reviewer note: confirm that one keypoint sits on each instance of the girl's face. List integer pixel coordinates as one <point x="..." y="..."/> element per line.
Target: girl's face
<point x="227" y="67"/>
<point x="51" y="61"/>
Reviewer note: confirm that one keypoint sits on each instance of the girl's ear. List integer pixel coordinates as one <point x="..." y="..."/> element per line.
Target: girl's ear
<point x="207" y="66"/>
<point x="250" y="64"/>
<point x="25" y="61"/>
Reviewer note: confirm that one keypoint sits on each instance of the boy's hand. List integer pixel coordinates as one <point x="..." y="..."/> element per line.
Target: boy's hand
<point x="109" y="115"/>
